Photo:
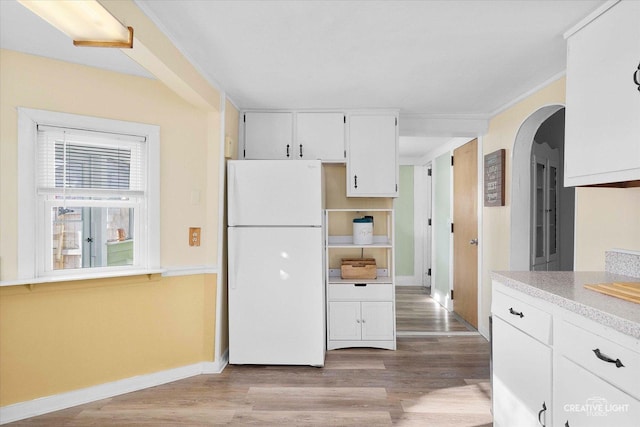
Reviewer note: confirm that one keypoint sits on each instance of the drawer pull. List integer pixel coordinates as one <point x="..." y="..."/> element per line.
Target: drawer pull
<point x="516" y="313"/>
<point x="567" y="424"/>
<point x="608" y="359"/>
<point x="359" y="284"/>
<point x="544" y="408"/>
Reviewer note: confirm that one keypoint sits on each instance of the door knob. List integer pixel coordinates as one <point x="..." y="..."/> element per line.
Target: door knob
<point x="473" y="242"/>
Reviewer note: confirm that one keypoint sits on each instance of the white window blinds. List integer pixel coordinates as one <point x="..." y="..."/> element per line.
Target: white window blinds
<point x="90" y="164"/>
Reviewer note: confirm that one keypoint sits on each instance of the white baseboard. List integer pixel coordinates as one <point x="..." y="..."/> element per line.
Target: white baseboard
<point x="408" y="281"/>
<point x="44" y="405"/>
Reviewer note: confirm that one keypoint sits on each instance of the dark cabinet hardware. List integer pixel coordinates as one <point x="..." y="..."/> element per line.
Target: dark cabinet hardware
<point x="89" y="239"/>
<point x="300" y="150"/>
<point x="516" y="313"/>
<point x="287" y="150"/>
<point x="567" y="424"/>
<point x="355" y="181"/>
<point x="544" y="408"/>
<point x="607" y="359"/>
<point x="359" y="284"/>
<point x="636" y="77"/>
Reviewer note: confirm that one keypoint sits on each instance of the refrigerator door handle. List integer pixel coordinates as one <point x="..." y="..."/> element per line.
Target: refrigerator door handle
<point x="232" y="193"/>
<point x="233" y="261"/>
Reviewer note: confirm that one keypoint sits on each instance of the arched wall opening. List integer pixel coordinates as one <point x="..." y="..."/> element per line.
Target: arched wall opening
<point x="520" y="236"/>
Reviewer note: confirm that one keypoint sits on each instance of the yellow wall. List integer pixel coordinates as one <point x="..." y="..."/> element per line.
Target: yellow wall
<point x="605" y="218"/>
<point x="60" y="337"/>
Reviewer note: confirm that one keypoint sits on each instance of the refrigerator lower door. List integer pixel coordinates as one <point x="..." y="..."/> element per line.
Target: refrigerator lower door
<point x="276" y="296"/>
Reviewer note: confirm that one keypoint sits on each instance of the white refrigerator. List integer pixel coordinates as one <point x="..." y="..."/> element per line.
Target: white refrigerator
<point x="276" y="273"/>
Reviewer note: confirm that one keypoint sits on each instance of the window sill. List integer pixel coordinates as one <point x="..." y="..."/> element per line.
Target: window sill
<point x="80" y="277"/>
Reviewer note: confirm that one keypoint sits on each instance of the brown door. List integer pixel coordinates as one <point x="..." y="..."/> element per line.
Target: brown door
<point x="465" y="232"/>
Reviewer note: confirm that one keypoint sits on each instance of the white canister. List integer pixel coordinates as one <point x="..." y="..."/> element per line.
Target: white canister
<point x="363" y="230"/>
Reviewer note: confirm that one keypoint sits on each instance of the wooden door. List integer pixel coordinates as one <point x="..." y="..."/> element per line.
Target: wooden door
<point x="465" y="232"/>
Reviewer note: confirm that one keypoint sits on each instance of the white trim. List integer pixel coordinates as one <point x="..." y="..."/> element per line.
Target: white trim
<point x="222" y="270"/>
<point x="483" y="326"/>
<point x="56" y="402"/>
<point x="436" y="334"/>
<point x="590" y="17"/>
<point x="190" y="270"/>
<point x="528" y="93"/>
<point x="88" y="276"/>
<point x="408" y="281"/>
<point x="28" y="119"/>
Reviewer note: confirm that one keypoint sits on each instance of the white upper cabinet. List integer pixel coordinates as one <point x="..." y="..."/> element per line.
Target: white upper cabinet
<point x="320" y="136"/>
<point x="291" y="136"/>
<point x="268" y="135"/>
<point x="372" y="155"/>
<point x="602" y="128"/>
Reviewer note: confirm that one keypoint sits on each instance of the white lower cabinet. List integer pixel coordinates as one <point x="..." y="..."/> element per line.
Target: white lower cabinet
<point x="521" y="378"/>
<point x="552" y="367"/>
<point x="361" y="315"/>
<point x="361" y="320"/>
<point x="582" y="399"/>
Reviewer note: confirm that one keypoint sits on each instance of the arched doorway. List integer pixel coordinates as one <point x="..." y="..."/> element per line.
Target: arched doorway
<point x="545" y="126"/>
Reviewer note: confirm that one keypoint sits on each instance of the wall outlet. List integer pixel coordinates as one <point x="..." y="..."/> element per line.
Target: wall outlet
<point x="194" y="236"/>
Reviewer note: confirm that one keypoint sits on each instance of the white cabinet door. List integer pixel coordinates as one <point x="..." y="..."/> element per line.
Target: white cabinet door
<point x="268" y="135"/>
<point x="602" y="127"/>
<point x="320" y="136"/>
<point x="583" y="399"/>
<point x="521" y="378"/>
<point x="344" y="320"/>
<point x="372" y="163"/>
<point x="377" y="320"/>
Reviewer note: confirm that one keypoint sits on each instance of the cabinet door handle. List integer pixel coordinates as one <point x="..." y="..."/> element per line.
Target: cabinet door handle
<point x="287" y="150"/>
<point x="355" y="181"/>
<point x="300" y="150"/>
<point x="516" y="313"/>
<point x="636" y="77"/>
<point x="567" y="424"/>
<point x="544" y="408"/>
<point x="607" y="359"/>
<point x="359" y="284"/>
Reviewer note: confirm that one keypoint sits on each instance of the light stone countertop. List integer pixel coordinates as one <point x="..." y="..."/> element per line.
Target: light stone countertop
<point x="566" y="289"/>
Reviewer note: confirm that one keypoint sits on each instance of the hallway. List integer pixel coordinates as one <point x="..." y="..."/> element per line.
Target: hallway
<point x="417" y="314"/>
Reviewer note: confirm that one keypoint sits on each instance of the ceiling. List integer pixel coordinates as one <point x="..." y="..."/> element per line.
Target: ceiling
<point x="429" y="59"/>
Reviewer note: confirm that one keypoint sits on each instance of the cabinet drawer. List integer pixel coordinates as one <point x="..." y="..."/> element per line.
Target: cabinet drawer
<point x="357" y="292"/>
<point x="582" y="399"/>
<point x="579" y="345"/>
<point x="523" y="316"/>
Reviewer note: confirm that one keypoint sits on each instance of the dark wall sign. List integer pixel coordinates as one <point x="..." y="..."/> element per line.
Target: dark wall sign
<point x="494" y="178"/>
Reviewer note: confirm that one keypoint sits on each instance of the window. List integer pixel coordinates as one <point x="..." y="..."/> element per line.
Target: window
<point x="93" y="186"/>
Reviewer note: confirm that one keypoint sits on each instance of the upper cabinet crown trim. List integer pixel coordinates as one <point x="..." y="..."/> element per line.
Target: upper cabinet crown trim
<point x="593" y="15"/>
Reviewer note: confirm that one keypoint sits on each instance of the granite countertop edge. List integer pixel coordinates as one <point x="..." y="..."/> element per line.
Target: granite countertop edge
<point x="566" y="290"/>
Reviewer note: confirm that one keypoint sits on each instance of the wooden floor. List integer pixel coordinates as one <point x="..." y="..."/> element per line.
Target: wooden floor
<point x="417" y="312"/>
<point x="427" y="381"/>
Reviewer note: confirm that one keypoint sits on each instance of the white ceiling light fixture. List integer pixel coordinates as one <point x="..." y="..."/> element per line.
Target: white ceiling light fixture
<point x="86" y="22"/>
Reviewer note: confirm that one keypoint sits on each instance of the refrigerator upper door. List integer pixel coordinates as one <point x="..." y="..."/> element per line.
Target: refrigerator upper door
<point x="275" y="192"/>
<point x="276" y="296"/>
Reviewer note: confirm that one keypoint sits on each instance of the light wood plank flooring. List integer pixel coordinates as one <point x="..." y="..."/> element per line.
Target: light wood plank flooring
<point x="417" y="312"/>
<point x="427" y="381"/>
